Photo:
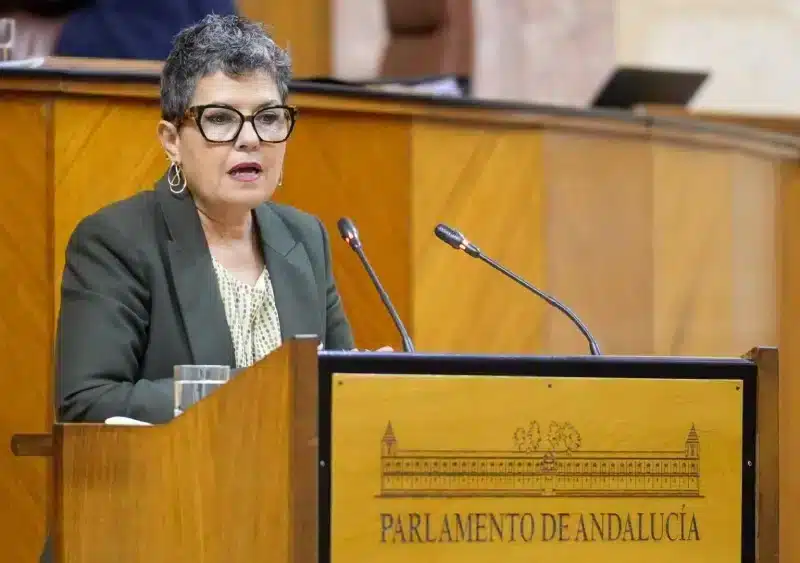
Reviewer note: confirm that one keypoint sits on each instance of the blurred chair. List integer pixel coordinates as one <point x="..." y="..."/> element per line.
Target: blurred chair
<point x="429" y="38"/>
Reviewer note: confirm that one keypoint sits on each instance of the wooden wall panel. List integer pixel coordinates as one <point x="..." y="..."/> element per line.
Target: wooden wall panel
<point x="339" y="164"/>
<point x="485" y="182"/>
<point x="755" y="186"/>
<point x="599" y="242"/>
<point x="789" y="363"/>
<point x="714" y="251"/>
<point x="661" y="248"/>
<point x="26" y="328"/>
<point x="105" y="150"/>
<point x="693" y="251"/>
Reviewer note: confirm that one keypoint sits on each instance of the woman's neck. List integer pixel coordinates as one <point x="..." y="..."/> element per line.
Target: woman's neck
<point x="227" y="227"/>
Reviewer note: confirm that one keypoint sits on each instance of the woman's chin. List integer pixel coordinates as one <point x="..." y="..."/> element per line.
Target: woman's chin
<point x="250" y="192"/>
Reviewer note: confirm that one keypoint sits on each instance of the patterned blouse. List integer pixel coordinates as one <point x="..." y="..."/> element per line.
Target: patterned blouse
<point x="252" y="315"/>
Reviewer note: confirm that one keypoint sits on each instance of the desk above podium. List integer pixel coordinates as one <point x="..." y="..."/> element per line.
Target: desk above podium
<point x="649" y="211"/>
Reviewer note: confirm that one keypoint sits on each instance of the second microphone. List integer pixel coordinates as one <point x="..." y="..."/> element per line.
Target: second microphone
<point x="348" y="232"/>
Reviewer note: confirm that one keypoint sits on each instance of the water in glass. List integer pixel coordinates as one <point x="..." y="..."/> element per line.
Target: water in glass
<point x="195" y="383"/>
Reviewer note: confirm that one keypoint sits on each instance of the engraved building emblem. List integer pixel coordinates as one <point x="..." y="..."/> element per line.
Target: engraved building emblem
<point x="540" y="463"/>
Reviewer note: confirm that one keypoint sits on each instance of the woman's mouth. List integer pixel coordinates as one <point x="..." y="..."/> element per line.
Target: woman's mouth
<point x="246" y="172"/>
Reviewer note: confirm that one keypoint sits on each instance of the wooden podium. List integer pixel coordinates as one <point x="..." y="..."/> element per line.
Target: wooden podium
<point x="232" y="479"/>
<point x="339" y="456"/>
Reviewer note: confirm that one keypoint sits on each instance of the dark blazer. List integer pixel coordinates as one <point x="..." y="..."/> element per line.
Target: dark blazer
<point x="139" y="296"/>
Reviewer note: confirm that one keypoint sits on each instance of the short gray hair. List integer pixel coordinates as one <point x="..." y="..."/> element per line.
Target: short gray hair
<point x="233" y="45"/>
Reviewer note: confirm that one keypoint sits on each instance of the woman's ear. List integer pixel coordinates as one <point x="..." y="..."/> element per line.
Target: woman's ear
<point x="170" y="140"/>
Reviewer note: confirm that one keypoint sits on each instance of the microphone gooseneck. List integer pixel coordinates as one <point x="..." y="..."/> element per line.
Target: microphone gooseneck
<point x="457" y="240"/>
<point x="348" y="232"/>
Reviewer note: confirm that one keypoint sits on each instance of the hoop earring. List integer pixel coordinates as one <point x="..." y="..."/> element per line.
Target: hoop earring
<point x="280" y="179"/>
<point x="175" y="178"/>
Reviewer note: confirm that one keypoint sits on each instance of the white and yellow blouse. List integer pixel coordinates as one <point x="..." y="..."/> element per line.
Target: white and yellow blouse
<point x="252" y="315"/>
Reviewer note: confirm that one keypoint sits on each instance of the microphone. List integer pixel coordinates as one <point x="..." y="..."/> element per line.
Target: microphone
<point x="458" y="241"/>
<point x="349" y="233"/>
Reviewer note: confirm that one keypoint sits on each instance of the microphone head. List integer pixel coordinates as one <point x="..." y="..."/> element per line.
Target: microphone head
<point x="449" y="235"/>
<point x="456" y="239"/>
<point x="348" y="231"/>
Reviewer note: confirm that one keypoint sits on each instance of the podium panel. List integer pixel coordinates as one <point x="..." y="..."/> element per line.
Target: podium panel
<point x="231" y="480"/>
<point x="521" y="459"/>
<point x="340" y="456"/>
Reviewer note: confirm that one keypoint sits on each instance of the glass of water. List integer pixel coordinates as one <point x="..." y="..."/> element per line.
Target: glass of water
<point x="195" y="383"/>
<point x="7" y="33"/>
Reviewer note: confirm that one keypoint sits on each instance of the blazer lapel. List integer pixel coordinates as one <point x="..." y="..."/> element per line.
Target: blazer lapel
<point x="195" y="282"/>
<point x="296" y="296"/>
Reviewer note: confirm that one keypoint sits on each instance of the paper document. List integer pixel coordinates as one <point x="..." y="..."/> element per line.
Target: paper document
<point x="23" y="63"/>
<point x="125" y="421"/>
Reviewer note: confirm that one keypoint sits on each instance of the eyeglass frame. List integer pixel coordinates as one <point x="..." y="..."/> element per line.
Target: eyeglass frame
<point x="196" y="113"/>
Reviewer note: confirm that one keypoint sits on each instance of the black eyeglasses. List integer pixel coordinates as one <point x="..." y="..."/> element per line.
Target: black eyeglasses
<point x="222" y="124"/>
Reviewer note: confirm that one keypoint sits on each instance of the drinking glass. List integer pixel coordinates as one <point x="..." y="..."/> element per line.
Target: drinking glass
<point x="7" y="32"/>
<point x="194" y="383"/>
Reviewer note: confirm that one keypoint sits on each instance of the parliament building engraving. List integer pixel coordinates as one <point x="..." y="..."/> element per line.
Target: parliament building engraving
<point x="546" y="462"/>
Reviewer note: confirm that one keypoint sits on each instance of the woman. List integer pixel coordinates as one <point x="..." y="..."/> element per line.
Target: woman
<point x="204" y="269"/>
